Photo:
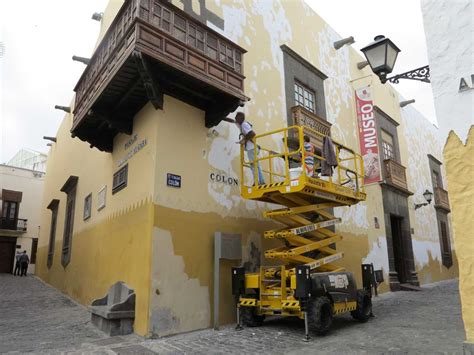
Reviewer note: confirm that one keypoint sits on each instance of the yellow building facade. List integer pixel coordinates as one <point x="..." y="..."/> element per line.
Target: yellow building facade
<point x="126" y="223"/>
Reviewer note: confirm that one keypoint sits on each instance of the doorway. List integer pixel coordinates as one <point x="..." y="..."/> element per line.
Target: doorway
<point x="399" y="250"/>
<point x="7" y="254"/>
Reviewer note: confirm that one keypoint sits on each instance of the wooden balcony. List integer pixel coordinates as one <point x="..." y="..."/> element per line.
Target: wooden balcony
<point x="441" y="198"/>
<point x="14" y="226"/>
<point x="303" y="117"/>
<point x="395" y="174"/>
<point x="153" y="48"/>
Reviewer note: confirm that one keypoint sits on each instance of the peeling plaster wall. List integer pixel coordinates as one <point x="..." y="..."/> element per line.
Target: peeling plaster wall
<point x="418" y="138"/>
<point x="163" y="235"/>
<point x="195" y="152"/>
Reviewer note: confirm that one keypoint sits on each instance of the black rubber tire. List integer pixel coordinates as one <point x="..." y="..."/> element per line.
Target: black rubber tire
<point x="364" y="306"/>
<point x="320" y="315"/>
<point x="249" y="318"/>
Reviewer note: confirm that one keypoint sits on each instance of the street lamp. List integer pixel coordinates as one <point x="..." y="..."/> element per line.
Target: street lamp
<point x="382" y="54"/>
<point x="428" y="195"/>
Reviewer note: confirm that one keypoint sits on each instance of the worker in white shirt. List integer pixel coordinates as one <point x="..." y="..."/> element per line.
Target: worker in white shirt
<point x="247" y="135"/>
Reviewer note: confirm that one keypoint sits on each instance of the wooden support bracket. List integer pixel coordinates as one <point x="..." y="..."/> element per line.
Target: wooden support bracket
<point x="153" y="91"/>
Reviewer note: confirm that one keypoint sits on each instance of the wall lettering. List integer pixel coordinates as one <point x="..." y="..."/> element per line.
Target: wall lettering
<point x="464" y="85"/>
<point x="223" y="179"/>
<point x="132" y="151"/>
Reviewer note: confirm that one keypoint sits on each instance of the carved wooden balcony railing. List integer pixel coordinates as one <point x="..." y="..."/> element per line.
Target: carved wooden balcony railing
<point x="395" y="174"/>
<point x="153" y="48"/>
<point x="303" y="117"/>
<point x="441" y="198"/>
<point x="18" y="225"/>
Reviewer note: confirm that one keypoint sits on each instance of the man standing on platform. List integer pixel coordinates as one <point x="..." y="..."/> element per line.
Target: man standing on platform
<point x="247" y="135"/>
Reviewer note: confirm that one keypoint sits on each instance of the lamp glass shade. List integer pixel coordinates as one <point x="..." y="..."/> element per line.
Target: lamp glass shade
<point x="381" y="55"/>
<point x="428" y="195"/>
<point x="376" y="56"/>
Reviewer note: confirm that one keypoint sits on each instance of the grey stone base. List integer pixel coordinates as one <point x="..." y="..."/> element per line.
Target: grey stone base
<point x="414" y="279"/>
<point x="393" y="281"/>
<point x="468" y="348"/>
<point x="113" y="327"/>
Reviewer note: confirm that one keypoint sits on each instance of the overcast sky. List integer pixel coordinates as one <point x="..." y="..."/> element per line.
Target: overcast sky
<point x="36" y="70"/>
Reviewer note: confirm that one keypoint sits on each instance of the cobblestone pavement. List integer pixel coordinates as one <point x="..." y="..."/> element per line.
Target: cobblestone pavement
<point x="426" y="322"/>
<point x="34" y="317"/>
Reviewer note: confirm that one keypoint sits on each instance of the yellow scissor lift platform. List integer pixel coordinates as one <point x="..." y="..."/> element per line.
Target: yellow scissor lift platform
<point x="307" y="242"/>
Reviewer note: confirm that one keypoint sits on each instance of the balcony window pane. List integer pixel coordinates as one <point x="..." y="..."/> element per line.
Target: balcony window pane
<point x="12" y="210"/>
<point x="304" y="97"/>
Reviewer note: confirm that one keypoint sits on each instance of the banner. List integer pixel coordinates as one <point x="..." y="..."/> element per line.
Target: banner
<point x="368" y="139"/>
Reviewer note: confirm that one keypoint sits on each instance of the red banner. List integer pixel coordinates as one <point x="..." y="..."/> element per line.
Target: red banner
<point x="368" y="139"/>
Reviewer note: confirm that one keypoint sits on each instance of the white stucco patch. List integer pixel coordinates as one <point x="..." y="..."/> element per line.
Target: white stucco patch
<point x="414" y="126"/>
<point x="335" y="64"/>
<point x="449" y="36"/>
<point x="355" y="215"/>
<point x="172" y="310"/>
<point x="422" y="250"/>
<point x="378" y="255"/>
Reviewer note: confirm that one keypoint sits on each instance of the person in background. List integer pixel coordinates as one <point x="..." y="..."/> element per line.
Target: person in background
<point x="17" y="264"/>
<point x="24" y="261"/>
<point x="247" y="135"/>
<point x="308" y="159"/>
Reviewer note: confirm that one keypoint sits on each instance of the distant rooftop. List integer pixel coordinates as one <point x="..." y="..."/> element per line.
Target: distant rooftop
<point x="29" y="159"/>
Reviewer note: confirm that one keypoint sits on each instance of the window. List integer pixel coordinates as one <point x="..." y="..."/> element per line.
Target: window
<point x="120" y="179"/>
<point x="70" y="189"/>
<point x="304" y="97"/>
<point x="436" y="179"/>
<point x="34" y="249"/>
<point x="87" y="207"/>
<point x="53" y="206"/>
<point x="445" y="245"/>
<point x="387" y="146"/>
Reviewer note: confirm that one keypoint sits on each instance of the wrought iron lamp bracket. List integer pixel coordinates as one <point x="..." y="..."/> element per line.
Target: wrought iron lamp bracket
<point x="420" y="74"/>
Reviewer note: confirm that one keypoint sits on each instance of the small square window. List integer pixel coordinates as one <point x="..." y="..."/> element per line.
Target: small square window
<point x="120" y="179"/>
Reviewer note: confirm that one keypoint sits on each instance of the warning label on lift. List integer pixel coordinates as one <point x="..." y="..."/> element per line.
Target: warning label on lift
<point x="339" y="281"/>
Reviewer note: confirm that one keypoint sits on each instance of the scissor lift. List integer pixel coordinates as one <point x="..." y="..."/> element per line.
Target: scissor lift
<point x="302" y="279"/>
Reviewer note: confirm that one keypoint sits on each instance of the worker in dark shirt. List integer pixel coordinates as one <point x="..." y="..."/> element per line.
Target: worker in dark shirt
<point x="17" y="264"/>
<point x="24" y="261"/>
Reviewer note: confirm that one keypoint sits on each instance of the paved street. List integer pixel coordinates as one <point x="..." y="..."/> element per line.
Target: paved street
<point x="34" y="318"/>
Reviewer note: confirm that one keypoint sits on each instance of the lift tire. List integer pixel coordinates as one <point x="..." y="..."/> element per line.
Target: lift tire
<point x="364" y="306"/>
<point x="320" y="315"/>
<point x="249" y="317"/>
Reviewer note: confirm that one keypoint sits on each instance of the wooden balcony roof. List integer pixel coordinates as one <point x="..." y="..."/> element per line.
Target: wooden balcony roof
<point x="153" y="48"/>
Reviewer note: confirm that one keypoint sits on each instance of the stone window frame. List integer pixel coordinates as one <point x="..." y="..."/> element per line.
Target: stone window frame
<point x="70" y="188"/>
<point x="53" y="206"/>
<point x="34" y="250"/>
<point x="298" y="69"/>
<point x="446" y="251"/>
<point x="435" y="167"/>
<point x="441" y="215"/>
<point x="120" y="179"/>
<point x="87" y="213"/>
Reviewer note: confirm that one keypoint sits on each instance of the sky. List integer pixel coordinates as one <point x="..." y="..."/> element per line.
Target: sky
<point x="37" y="72"/>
